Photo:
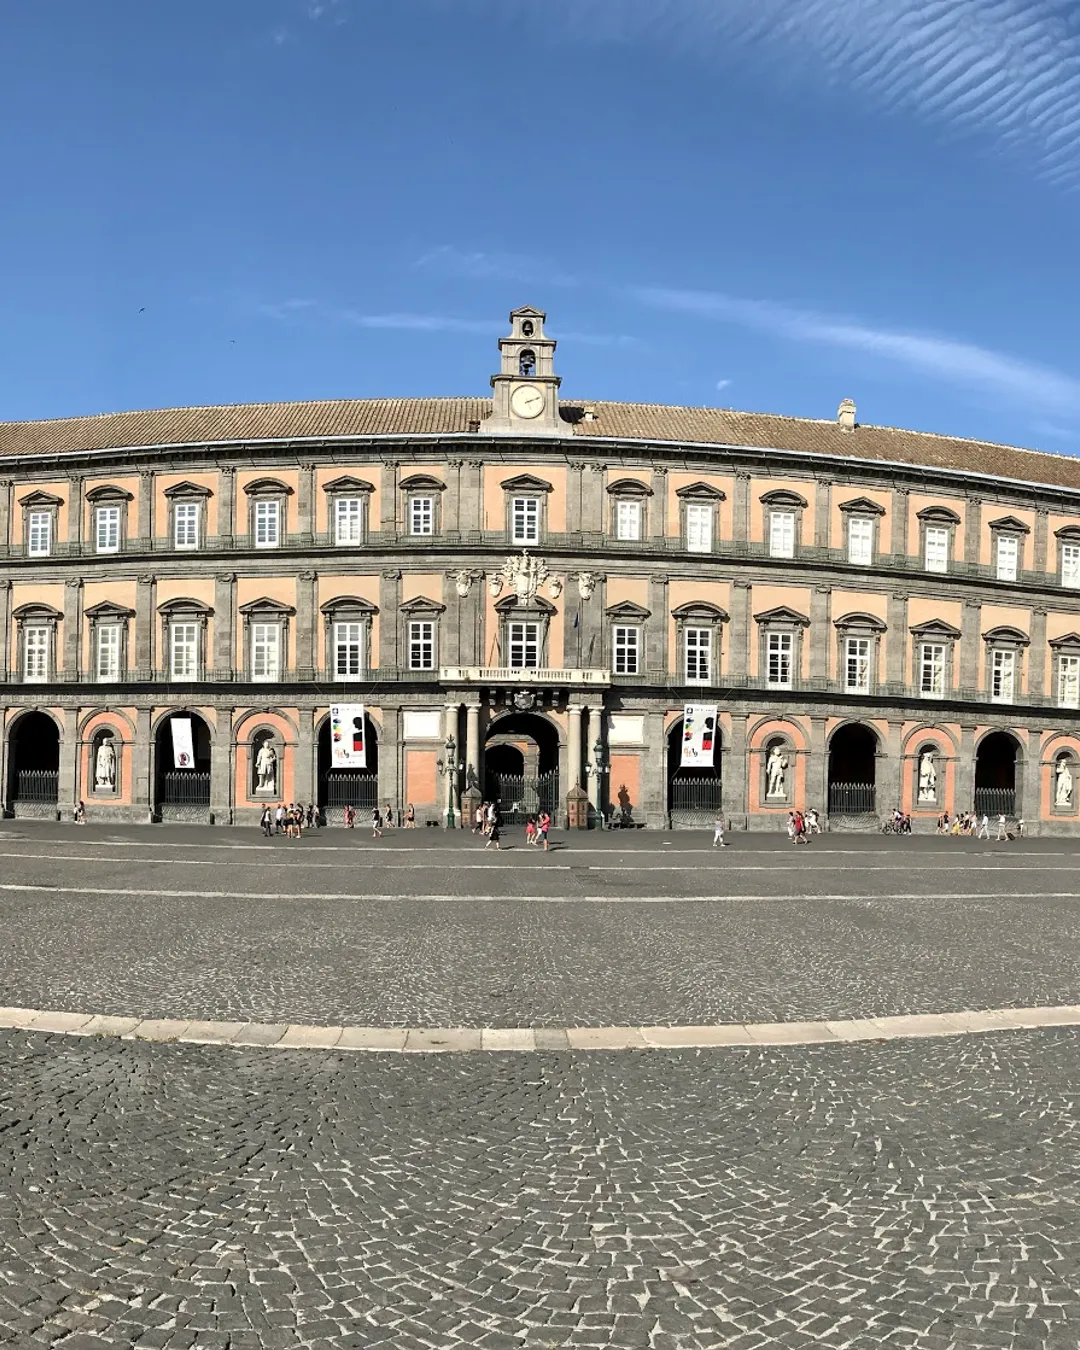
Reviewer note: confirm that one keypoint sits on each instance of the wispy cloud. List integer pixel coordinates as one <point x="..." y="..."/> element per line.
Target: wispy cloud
<point x="1007" y="68"/>
<point x="333" y="11"/>
<point x="480" y="266"/>
<point x="419" y="323"/>
<point x="722" y="384"/>
<point x="943" y="358"/>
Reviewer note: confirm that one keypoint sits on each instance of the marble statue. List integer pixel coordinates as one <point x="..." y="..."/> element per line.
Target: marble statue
<point x="105" y="767"/>
<point x="266" y="769"/>
<point x="1063" y="792"/>
<point x="927" y="777"/>
<point x="776" y="773"/>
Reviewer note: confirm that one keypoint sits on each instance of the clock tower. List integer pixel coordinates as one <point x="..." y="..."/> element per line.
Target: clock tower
<point x="526" y="389"/>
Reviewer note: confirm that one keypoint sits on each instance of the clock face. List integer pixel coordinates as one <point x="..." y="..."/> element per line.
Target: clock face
<point x="527" y="401"/>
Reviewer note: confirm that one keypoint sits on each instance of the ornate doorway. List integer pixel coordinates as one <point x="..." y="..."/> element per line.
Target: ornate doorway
<point x="521" y="767"/>
<point x="694" y="795"/>
<point x="34" y="766"/>
<point x="338" y="788"/>
<point x="182" y="794"/>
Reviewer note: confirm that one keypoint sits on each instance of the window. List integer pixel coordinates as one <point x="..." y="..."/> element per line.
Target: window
<point x="857" y="665"/>
<point x="421" y="515"/>
<point x="697" y="655"/>
<point x="779" y="660"/>
<point x="186" y="525"/>
<point x="932" y="669"/>
<point x="1068" y="690"/>
<point x="267" y="516"/>
<point x="937" y="548"/>
<point x="421" y="644"/>
<point x="107" y="529"/>
<point x="265" y="650"/>
<point x="627" y="520"/>
<point x="1002" y="676"/>
<point x="782" y="534"/>
<point x="699" y="518"/>
<point x="1008" y="555"/>
<point x="523" y="646"/>
<point x="39" y="534"/>
<point x="348" y="520"/>
<point x="183" y="651"/>
<point x="36" y="655"/>
<point x="107" y="656"/>
<point x="626" y="648"/>
<point x="525" y="520"/>
<point x="348" y="646"/>
<point x="1070" y="566"/>
<point x="860" y="541"/>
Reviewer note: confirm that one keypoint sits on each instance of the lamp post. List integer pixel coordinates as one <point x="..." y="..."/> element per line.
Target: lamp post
<point x="597" y="768"/>
<point x="450" y="767"/>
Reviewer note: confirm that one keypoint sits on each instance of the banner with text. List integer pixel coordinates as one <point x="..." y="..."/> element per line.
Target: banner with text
<point x="348" y="741"/>
<point x="183" y="750"/>
<point x="698" y="735"/>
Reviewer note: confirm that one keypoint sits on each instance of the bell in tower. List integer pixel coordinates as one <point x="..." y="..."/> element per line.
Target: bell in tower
<point x="526" y="390"/>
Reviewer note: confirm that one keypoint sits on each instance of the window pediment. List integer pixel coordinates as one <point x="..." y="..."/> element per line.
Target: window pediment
<point x="264" y="606"/>
<point x="37" y="610"/>
<point x="626" y="611"/>
<point x="525" y="482"/>
<point x="701" y="610"/>
<point x="40" y="499"/>
<point x="782" y="497"/>
<point x="420" y="604"/>
<point x="184" y="605"/>
<point x="1067" y="640"/>
<point x="629" y="487"/>
<point x="1005" y="635"/>
<point x="109" y="492"/>
<point x="187" y="490"/>
<point x="1010" y="525"/>
<point x="782" y="614"/>
<point x="349" y="484"/>
<point x="864" y="622"/>
<point x="1069" y="533"/>
<point x="861" y="506"/>
<point x="700" y="492"/>
<point x="267" y="487"/>
<point x="422" y="482"/>
<point x="348" y="604"/>
<point x="510" y="604"/>
<point x="938" y="515"/>
<point x="107" y="609"/>
<point x="935" y="628"/>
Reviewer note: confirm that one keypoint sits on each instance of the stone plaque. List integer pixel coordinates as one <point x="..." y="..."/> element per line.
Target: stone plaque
<point x="626" y="729"/>
<point x="423" y="725"/>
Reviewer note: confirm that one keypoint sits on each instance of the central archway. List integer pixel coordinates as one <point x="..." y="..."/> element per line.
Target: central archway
<point x="695" y="796"/>
<point x="521" y="767"/>
<point x="34" y="766"/>
<point x="338" y="788"/>
<point x="181" y="790"/>
<point x="853" y="771"/>
<point x="995" y="774"/>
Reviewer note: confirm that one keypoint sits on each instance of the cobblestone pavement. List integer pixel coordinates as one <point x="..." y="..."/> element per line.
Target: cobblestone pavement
<point x="914" y="1194"/>
<point x="148" y="923"/>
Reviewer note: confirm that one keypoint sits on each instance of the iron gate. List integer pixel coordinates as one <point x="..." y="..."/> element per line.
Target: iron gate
<point x="995" y="801"/>
<point x="519" y="796"/>
<point x="694" y="800"/>
<point x="184" y="795"/>
<point x="36" y="792"/>
<point x="357" y="788"/>
<point x="851" y="799"/>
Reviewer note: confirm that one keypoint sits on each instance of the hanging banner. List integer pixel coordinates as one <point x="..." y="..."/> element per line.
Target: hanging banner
<point x="348" y="744"/>
<point x="698" y="735"/>
<point x="182" y="748"/>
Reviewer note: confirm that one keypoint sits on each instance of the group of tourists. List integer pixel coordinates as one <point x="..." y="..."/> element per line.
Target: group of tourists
<point x="973" y="826"/>
<point x="488" y="822"/>
<point x="801" y="825"/>
<point x="290" y="820"/>
<point x="381" y="818"/>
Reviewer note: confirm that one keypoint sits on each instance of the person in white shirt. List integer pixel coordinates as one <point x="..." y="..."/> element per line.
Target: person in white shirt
<point x="984" y="828"/>
<point x="1003" y="832"/>
<point x="718" y="833"/>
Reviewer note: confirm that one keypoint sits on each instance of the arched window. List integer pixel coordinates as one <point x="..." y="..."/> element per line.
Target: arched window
<point x="527" y="363"/>
<point x="527" y="328"/>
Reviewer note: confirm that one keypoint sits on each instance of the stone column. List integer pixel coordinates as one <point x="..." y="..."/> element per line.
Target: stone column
<point x="574" y="496"/>
<point x="5" y="628"/>
<point x="304" y="659"/>
<point x="1037" y="654"/>
<point x="817" y="770"/>
<point x="305" y="506"/>
<point x="225" y="626"/>
<point x="5" y="516"/>
<point x="304" y="751"/>
<point x="573" y="751"/>
<point x="593" y="733"/>
<point x="735" y="774"/>
<point x="1040" y="561"/>
<point x="67" y="793"/>
<point x="658" y="507"/>
<point x="388" y="515"/>
<point x="226" y="520"/>
<point x="822" y="512"/>
<point x="451" y="521"/>
<point x="147" y="482"/>
<point x="820" y="636"/>
<point x="965" y="771"/>
<point x="739" y="635"/>
<point x="896" y="642"/>
<point x="447" y="803"/>
<point x="970" y="644"/>
<point x="972" y="530"/>
<point x="900" y="522"/>
<point x="473" y="763"/>
<point x="389" y="624"/>
<point x="72" y="629"/>
<point x="1029" y="803"/>
<point x="221" y="769"/>
<point x="141" y="794"/>
<point x="75" y="513"/>
<point x="659" y="618"/>
<point x="890" y="771"/>
<point x="740" y="510"/>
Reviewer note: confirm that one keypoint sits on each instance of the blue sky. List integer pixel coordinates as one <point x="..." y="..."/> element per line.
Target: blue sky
<point x="746" y="203"/>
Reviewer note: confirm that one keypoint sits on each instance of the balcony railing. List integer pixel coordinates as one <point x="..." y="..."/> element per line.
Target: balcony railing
<point x="585" y="676"/>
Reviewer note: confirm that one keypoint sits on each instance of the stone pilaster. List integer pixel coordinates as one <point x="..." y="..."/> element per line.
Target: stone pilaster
<point x="304" y="761"/>
<point x="390" y="746"/>
<point x="970" y="648"/>
<point x="739" y="635"/>
<point x="389" y="621"/>
<point x="388" y="515"/>
<point x="73" y="595"/>
<point x="972" y="530"/>
<point x="227" y="507"/>
<point x="451" y="520"/>
<point x="141" y="794"/>
<point x="817" y="769"/>
<point x="658" y="504"/>
<point x="740" y="510"/>
<point x="592" y="503"/>
<point x="889" y="770"/>
<point x="654" y="775"/>
<point x="822" y="512"/>
<point x="473" y="505"/>
<point x="147" y="482"/>
<point x="735" y="773"/>
<point x="5" y="628"/>
<point x="574" y="496"/>
<point x="5" y="516"/>
<point x="965" y="771"/>
<point x="1029" y="798"/>
<point x="305" y="659"/>
<point x="656" y="660"/>
<point x="76" y="483"/>
<point x="67" y="784"/>
<point x="900" y="522"/>
<point x="897" y="641"/>
<point x="225" y="627"/>
<point x="145" y="625"/>
<point x="221" y="769"/>
<point x="820" y="635"/>
<point x="1040" y="560"/>
<point x="305" y="507"/>
<point x="1038" y="654"/>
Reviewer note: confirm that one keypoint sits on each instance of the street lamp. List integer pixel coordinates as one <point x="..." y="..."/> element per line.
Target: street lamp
<point x="449" y="768"/>
<point x="597" y="768"/>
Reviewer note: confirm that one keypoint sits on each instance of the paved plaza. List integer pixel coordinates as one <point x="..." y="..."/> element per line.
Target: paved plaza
<point x="910" y="1192"/>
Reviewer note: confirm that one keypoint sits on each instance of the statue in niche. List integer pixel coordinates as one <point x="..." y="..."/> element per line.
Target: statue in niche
<point x="266" y="769"/>
<point x="927" y="777"/>
<point x="776" y="773"/>
<point x="105" y="766"/>
<point x="1063" y="788"/>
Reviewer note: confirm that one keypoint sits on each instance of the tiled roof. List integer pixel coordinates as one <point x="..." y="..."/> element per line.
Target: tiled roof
<point x="435" y="416"/>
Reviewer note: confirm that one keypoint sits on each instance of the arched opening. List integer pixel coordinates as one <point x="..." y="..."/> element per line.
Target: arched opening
<point x="104" y="763"/>
<point x="521" y="767"/>
<point x="527" y="363"/>
<point x="338" y="788"/>
<point x="34" y="766"/>
<point x="695" y="795"/>
<point x="995" y="774"/>
<point x="182" y="769"/>
<point x="853" y="771"/>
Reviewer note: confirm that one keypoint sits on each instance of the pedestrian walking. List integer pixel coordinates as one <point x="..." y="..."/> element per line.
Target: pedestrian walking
<point x="791" y="826"/>
<point x="267" y="822"/>
<point x="80" y="814"/>
<point x="530" y="831"/>
<point x="1021" y="826"/>
<point x="481" y="818"/>
<point x="984" y="828"/>
<point x="279" y="818"/>
<point x="718" y="832"/>
<point x="493" y="836"/>
<point x="389" y="816"/>
<point x="544" y="824"/>
<point x="311" y="816"/>
<point x="410" y="817"/>
<point x="376" y="823"/>
<point x="1002" y="832"/>
<point x="492" y="816"/>
<point x="350" y="817"/>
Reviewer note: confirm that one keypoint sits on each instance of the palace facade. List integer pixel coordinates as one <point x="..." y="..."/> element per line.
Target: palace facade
<point x="524" y="592"/>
